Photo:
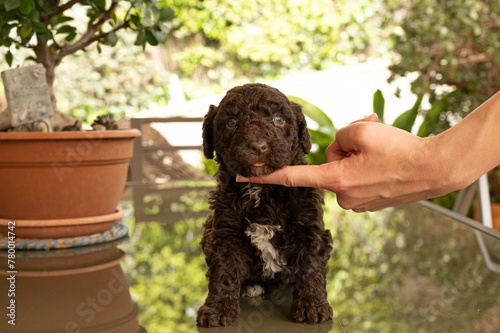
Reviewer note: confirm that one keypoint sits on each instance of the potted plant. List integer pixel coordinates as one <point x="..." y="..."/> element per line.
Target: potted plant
<point x="68" y="177"/>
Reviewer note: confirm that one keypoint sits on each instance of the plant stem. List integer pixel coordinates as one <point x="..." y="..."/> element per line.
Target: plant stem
<point x="43" y="56"/>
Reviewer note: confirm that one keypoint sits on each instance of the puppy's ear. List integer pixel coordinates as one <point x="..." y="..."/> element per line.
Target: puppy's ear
<point x="208" y="132"/>
<point x="304" y="136"/>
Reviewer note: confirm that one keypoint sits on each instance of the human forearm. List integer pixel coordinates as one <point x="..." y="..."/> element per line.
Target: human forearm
<point x="472" y="147"/>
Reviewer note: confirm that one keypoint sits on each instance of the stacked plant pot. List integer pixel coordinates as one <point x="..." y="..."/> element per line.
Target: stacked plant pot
<point x="62" y="184"/>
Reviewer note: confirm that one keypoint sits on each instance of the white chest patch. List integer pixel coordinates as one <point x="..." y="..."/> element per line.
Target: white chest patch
<point x="260" y="236"/>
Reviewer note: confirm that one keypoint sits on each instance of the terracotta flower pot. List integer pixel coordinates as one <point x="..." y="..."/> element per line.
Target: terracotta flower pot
<point x="63" y="175"/>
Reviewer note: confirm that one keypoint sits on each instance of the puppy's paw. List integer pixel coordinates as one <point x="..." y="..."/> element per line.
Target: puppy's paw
<point x="221" y="313"/>
<point x="311" y="311"/>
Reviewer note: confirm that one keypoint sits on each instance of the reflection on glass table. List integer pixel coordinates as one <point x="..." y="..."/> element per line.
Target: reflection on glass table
<point x="406" y="269"/>
<point x="71" y="290"/>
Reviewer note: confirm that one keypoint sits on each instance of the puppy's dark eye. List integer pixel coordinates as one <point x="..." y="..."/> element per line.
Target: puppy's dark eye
<point x="278" y="120"/>
<point x="232" y="123"/>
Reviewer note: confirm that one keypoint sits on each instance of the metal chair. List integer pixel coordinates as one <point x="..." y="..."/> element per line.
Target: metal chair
<point x="461" y="208"/>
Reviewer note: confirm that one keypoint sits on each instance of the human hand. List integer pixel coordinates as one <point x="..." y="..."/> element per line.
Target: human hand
<point x="369" y="166"/>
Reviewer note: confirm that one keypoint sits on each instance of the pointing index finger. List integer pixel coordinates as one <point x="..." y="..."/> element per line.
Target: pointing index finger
<point x="292" y="176"/>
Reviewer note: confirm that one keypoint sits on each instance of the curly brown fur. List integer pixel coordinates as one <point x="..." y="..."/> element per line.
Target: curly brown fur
<point x="261" y="234"/>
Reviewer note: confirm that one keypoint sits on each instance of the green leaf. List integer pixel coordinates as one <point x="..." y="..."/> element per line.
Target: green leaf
<point x="112" y="38"/>
<point x="113" y="17"/>
<point x="135" y="20"/>
<point x="379" y="105"/>
<point x="432" y="115"/>
<point x="166" y="14"/>
<point x="6" y="30"/>
<point x="312" y="111"/>
<point x="7" y="42"/>
<point x="141" y="38"/>
<point x="39" y="27"/>
<point x="100" y="4"/>
<point x="34" y="15"/>
<point x="147" y="22"/>
<point x="66" y="29"/>
<point x="44" y="36"/>
<point x="24" y="31"/>
<point x="9" y="58"/>
<point x="160" y="36"/>
<point x="406" y="120"/>
<point x="48" y="9"/>
<point x="320" y="138"/>
<point x="70" y="37"/>
<point x="155" y="12"/>
<point x="316" y="114"/>
<point x="27" y="6"/>
<point x="60" y="19"/>
<point x="31" y="58"/>
<point x="150" y="38"/>
<point x="11" y="4"/>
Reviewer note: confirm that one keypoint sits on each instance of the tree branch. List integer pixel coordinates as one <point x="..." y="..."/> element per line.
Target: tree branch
<point x="62" y="9"/>
<point x="473" y="59"/>
<point x="90" y="36"/>
<point x="42" y="52"/>
<point x="83" y="43"/>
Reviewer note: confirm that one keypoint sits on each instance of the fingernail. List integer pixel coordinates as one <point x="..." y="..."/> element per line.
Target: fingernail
<point x="241" y="179"/>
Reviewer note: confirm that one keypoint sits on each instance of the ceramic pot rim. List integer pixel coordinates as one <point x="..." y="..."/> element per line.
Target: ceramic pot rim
<point x="118" y="214"/>
<point x="70" y="135"/>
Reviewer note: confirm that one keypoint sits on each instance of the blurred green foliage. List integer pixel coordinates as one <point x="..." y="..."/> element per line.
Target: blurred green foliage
<point x="261" y="37"/>
<point x="166" y="274"/>
<point x="450" y="50"/>
<point x="210" y="167"/>
<point x="120" y="80"/>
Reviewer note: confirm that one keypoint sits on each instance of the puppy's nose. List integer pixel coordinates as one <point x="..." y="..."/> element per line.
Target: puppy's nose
<point x="259" y="147"/>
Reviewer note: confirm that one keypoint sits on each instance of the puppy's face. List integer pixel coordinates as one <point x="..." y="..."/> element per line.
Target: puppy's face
<point x="255" y="130"/>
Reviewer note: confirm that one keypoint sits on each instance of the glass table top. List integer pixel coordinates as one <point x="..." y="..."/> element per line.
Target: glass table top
<point x="405" y="269"/>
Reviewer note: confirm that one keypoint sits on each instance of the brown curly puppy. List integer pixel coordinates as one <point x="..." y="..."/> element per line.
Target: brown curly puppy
<point x="261" y="234"/>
